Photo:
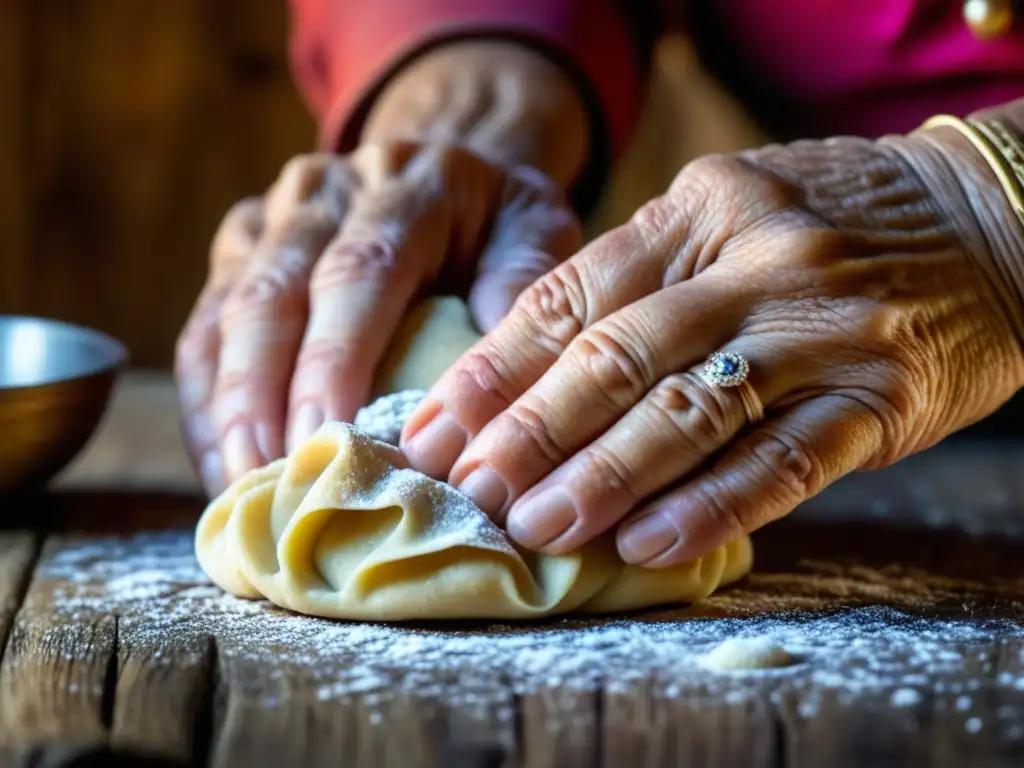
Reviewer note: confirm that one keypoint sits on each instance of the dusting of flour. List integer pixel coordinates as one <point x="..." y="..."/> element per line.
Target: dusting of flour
<point x="384" y="418"/>
<point x="167" y="607"/>
<point x="165" y="603"/>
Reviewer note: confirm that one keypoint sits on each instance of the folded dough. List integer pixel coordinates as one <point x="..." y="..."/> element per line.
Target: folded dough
<point x="343" y="528"/>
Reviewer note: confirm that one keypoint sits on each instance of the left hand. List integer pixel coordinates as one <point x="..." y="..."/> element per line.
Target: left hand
<point x="858" y="278"/>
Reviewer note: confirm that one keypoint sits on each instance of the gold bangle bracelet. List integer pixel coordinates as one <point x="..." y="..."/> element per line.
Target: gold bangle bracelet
<point x="1003" y="151"/>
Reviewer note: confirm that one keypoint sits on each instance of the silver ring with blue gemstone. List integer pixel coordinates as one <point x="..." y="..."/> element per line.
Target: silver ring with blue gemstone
<point x="729" y="370"/>
<point x="726" y="369"/>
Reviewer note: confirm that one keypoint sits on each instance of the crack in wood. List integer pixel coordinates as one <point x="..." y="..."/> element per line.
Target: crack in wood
<point x="17" y="598"/>
<point x="209" y="708"/>
<point x="515" y="757"/>
<point x="780" y="752"/>
<point x="110" y="681"/>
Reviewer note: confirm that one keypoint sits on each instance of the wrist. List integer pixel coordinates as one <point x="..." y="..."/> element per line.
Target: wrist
<point x="968" y="189"/>
<point x="501" y="100"/>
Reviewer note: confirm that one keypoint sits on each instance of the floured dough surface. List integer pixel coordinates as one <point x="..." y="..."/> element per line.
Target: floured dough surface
<point x="342" y="528"/>
<point x="430" y="339"/>
<point x="384" y="418"/>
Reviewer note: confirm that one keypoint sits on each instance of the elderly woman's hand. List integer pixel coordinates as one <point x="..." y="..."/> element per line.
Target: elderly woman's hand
<point x="308" y="283"/>
<point x="865" y="283"/>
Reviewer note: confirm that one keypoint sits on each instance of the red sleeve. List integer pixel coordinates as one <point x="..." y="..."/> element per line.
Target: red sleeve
<point x="342" y="50"/>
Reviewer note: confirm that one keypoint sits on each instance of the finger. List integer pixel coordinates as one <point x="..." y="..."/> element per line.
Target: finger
<point x="668" y="434"/>
<point x="198" y="347"/>
<point x="360" y="289"/>
<point x="604" y="373"/>
<point x="261" y="325"/>
<point x="621" y="267"/>
<point x="762" y="477"/>
<point x="534" y="233"/>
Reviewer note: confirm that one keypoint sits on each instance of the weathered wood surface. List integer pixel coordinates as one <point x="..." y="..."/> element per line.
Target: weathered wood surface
<point x="129" y="129"/>
<point x="902" y="593"/>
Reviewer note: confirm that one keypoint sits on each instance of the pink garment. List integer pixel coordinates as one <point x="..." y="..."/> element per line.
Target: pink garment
<point x="864" y="67"/>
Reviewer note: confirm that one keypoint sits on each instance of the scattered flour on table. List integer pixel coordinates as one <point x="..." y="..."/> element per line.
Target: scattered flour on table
<point x="164" y="603"/>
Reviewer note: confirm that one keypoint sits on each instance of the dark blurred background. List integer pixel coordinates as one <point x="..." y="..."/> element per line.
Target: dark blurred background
<point x="128" y="128"/>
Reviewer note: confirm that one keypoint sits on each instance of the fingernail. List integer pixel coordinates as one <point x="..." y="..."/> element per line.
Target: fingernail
<point x="194" y="389"/>
<point x="263" y="442"/>
<point x="538" y="521"/>
<point x="308" y="419"/>
<point x="211" y="471"/>
<point x="240" y="451"/>
<point x="434" y="448"/>
<point x="487" y="490"/>
<point x="200" y="429"/>
<point x="645" y="539"/>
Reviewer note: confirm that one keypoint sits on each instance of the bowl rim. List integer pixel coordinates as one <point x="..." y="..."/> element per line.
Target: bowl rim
<point x="114" y="353"/>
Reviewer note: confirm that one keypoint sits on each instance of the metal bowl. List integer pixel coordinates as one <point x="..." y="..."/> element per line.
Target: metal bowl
<point x="55" y="384"/>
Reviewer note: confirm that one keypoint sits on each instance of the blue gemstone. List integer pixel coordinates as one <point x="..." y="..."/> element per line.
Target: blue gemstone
<point x="727" y="366"/>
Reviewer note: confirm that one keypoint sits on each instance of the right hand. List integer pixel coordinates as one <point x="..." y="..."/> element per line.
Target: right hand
<point x="308" y="283"/>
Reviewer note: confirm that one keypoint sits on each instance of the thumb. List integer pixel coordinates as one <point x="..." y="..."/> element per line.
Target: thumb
<point x="527" y="242"/>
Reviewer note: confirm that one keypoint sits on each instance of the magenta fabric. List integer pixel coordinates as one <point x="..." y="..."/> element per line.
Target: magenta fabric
<point x="864" y="67"/>
<point x="870" y="67"/>
<point x="341" y="49"/>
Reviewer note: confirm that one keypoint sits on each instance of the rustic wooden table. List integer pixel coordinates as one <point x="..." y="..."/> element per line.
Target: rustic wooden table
<point x="900" y="593"/>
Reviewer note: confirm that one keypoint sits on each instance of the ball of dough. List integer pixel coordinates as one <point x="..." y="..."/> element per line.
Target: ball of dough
<point x="740" y="653"/>
<point x="343" y="528"/>
<point x="431" y="337"/>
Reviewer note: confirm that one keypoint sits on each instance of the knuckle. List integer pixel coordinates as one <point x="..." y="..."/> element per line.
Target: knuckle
<point x="198" y="338"/>
<point x="600" y="465"/>
<point x="382" y="160"/>
<point x="303" y="183"/>
<point x="306" y="228"/>
<point x="892" y="409"/>
<point x="730" y="512"/>
<point x="618" y="369"/>
<point x="655" y="218"/>
<point x="238" y="230"/>
<point x="700" y="177"/>
<point x="715" y="165"/>
<point x="734" y="186"/>
<point x="555" y="308"/>
<point x="190" y="347"/>
<point x="371" y="261"/>
<point x="703" y="422"/>
<point x="529" y="421"/>
<point x="898" y="390"/>
<point x="245" y="213"/>
<point x="484" y="370"/>
<point x="303" y="171"/>
<point x="325" y="363"/>
<point x="270" y="290"/>
<point x="794" y="469"/>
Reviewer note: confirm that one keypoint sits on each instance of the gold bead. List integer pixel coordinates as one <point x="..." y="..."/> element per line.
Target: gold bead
<point x="988" y="18"/>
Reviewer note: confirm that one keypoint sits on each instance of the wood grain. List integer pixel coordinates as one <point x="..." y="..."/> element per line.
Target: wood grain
<point x="131" y="129"/>
<point x="122" y="649"/>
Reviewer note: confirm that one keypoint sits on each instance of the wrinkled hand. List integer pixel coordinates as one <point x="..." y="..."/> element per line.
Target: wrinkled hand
<point x="851" y="274"/>
<point x="308" y="283"/>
